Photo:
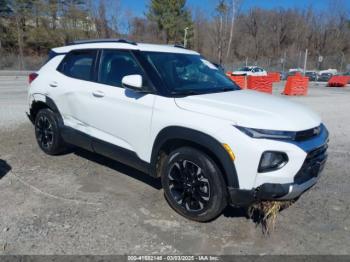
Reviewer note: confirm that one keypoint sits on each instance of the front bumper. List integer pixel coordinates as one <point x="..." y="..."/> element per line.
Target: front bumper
<point x="269" y="192"/>
<point x="306" y="177"/>
<point x="295" y="190"/>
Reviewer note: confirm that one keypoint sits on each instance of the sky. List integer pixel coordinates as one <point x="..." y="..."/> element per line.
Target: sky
<point x="138" y="7"/>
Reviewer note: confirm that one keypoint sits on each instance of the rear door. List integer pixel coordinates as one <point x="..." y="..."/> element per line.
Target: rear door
<point x="72" y="85"/>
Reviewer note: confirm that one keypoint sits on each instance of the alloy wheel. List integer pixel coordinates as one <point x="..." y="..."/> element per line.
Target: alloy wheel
<point x="44" y="132"/>
<point x="188" y="185"/>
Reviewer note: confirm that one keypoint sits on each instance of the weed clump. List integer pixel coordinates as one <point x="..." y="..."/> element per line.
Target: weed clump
<point x="265" y="213"/>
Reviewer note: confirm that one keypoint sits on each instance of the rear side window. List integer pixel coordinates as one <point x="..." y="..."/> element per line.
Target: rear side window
<point x="78" y="64"/>
<point x="51" y="55"/>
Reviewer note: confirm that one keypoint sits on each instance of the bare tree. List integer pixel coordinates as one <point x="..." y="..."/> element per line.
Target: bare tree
<point x="227" y="35"/>
<point x="19" y="11"/>
<point x="220" y="34"/>
<point x="200" y="29"/>
<point x="235" y="5"/>
<point x="101" y="22"/>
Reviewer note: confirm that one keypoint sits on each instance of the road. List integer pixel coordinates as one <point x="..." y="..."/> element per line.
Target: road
<point x="81" y="203"/>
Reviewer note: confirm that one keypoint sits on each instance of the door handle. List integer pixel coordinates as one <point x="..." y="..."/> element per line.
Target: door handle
<point x="53" y="84"/>
<point x="98" y="93"/>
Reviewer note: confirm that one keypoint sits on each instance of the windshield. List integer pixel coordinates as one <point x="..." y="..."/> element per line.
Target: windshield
<point x="189" y="74"/>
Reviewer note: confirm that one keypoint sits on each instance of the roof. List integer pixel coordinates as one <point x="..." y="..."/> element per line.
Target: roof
<point x="122" y="44"/>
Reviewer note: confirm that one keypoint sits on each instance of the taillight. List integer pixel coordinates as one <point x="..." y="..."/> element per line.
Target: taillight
<point x="32" y="76"/>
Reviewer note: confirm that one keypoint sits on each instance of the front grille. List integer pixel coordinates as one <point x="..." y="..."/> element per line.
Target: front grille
<point x="307" y="134"/>
<point x="313" y="165"/>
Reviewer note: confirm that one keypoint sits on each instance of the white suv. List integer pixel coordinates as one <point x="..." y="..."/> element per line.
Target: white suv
<point x="250" y="71"/>
<point x="170" y="113"/>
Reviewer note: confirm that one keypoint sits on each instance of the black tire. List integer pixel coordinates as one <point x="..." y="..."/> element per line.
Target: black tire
<point x="193" y="184"/>
<point x="47" y="132"/>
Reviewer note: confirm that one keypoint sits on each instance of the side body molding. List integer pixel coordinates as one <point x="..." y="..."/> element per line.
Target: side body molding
<point x="202" y="140"/>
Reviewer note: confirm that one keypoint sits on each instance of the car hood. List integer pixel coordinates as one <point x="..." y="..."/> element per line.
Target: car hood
<point x="252" y="109"/>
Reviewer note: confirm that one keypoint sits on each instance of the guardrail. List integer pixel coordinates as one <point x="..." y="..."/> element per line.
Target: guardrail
<point x="274" y="76"/>
<point x="260" y="83"/>
<point x="241" y="81"/>
<point x="296" y="85"/>
<point x="338" y="81"/>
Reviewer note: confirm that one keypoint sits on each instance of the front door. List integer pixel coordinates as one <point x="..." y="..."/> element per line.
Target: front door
<point x="118" y="116"/>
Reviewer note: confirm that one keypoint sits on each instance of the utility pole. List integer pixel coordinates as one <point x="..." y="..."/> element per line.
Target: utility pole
<point x="305" y="60"/>
<point x="342" y="61"/>
<point x="185" y="37"/>
<point x="284" y="60"/>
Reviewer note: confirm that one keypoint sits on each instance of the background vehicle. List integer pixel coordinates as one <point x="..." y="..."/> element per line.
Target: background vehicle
<point x="312" y="75"/>
<point x="283" y="75"/>
<point x="170" y="113"/>
<point x="250" y="71"/>
<point x="294" y="71"/>
<point x="324" y="77"/>
<point x="330" y="71"/>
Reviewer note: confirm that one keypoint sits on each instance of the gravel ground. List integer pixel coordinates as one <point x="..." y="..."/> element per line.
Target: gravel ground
<point x="81" y="203"/>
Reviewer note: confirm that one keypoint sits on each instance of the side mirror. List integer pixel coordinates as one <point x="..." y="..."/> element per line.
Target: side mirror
<point x="133" y="82"/>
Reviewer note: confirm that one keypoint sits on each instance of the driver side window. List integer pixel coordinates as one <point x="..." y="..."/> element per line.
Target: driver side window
<point x="116" y="64"/>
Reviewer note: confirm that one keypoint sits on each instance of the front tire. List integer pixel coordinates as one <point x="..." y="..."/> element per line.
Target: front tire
<point x="47" y="132"/>
<point x="193" y="184"/>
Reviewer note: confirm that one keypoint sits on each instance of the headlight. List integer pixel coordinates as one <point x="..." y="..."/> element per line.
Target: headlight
<point x="270" y="134"/>
<point x="271" y="160"/>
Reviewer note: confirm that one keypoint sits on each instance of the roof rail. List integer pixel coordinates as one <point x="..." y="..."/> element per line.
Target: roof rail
<point x="103" y="40"/>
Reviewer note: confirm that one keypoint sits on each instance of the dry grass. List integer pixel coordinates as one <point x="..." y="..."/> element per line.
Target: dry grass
<point x="265" y="213"/>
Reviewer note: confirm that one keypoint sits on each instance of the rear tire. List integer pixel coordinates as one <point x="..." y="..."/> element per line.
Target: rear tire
<point x="193" y="184"/>
<point x="47" y="132"/>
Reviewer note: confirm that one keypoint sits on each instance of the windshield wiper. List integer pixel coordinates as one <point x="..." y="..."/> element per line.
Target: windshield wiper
<point x="186" y="93"/>
<point x="194" y="92"/>
<point x="227" y="89"/>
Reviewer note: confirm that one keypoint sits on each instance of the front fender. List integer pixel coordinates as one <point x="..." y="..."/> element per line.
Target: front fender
<point x="201" y="139"/>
